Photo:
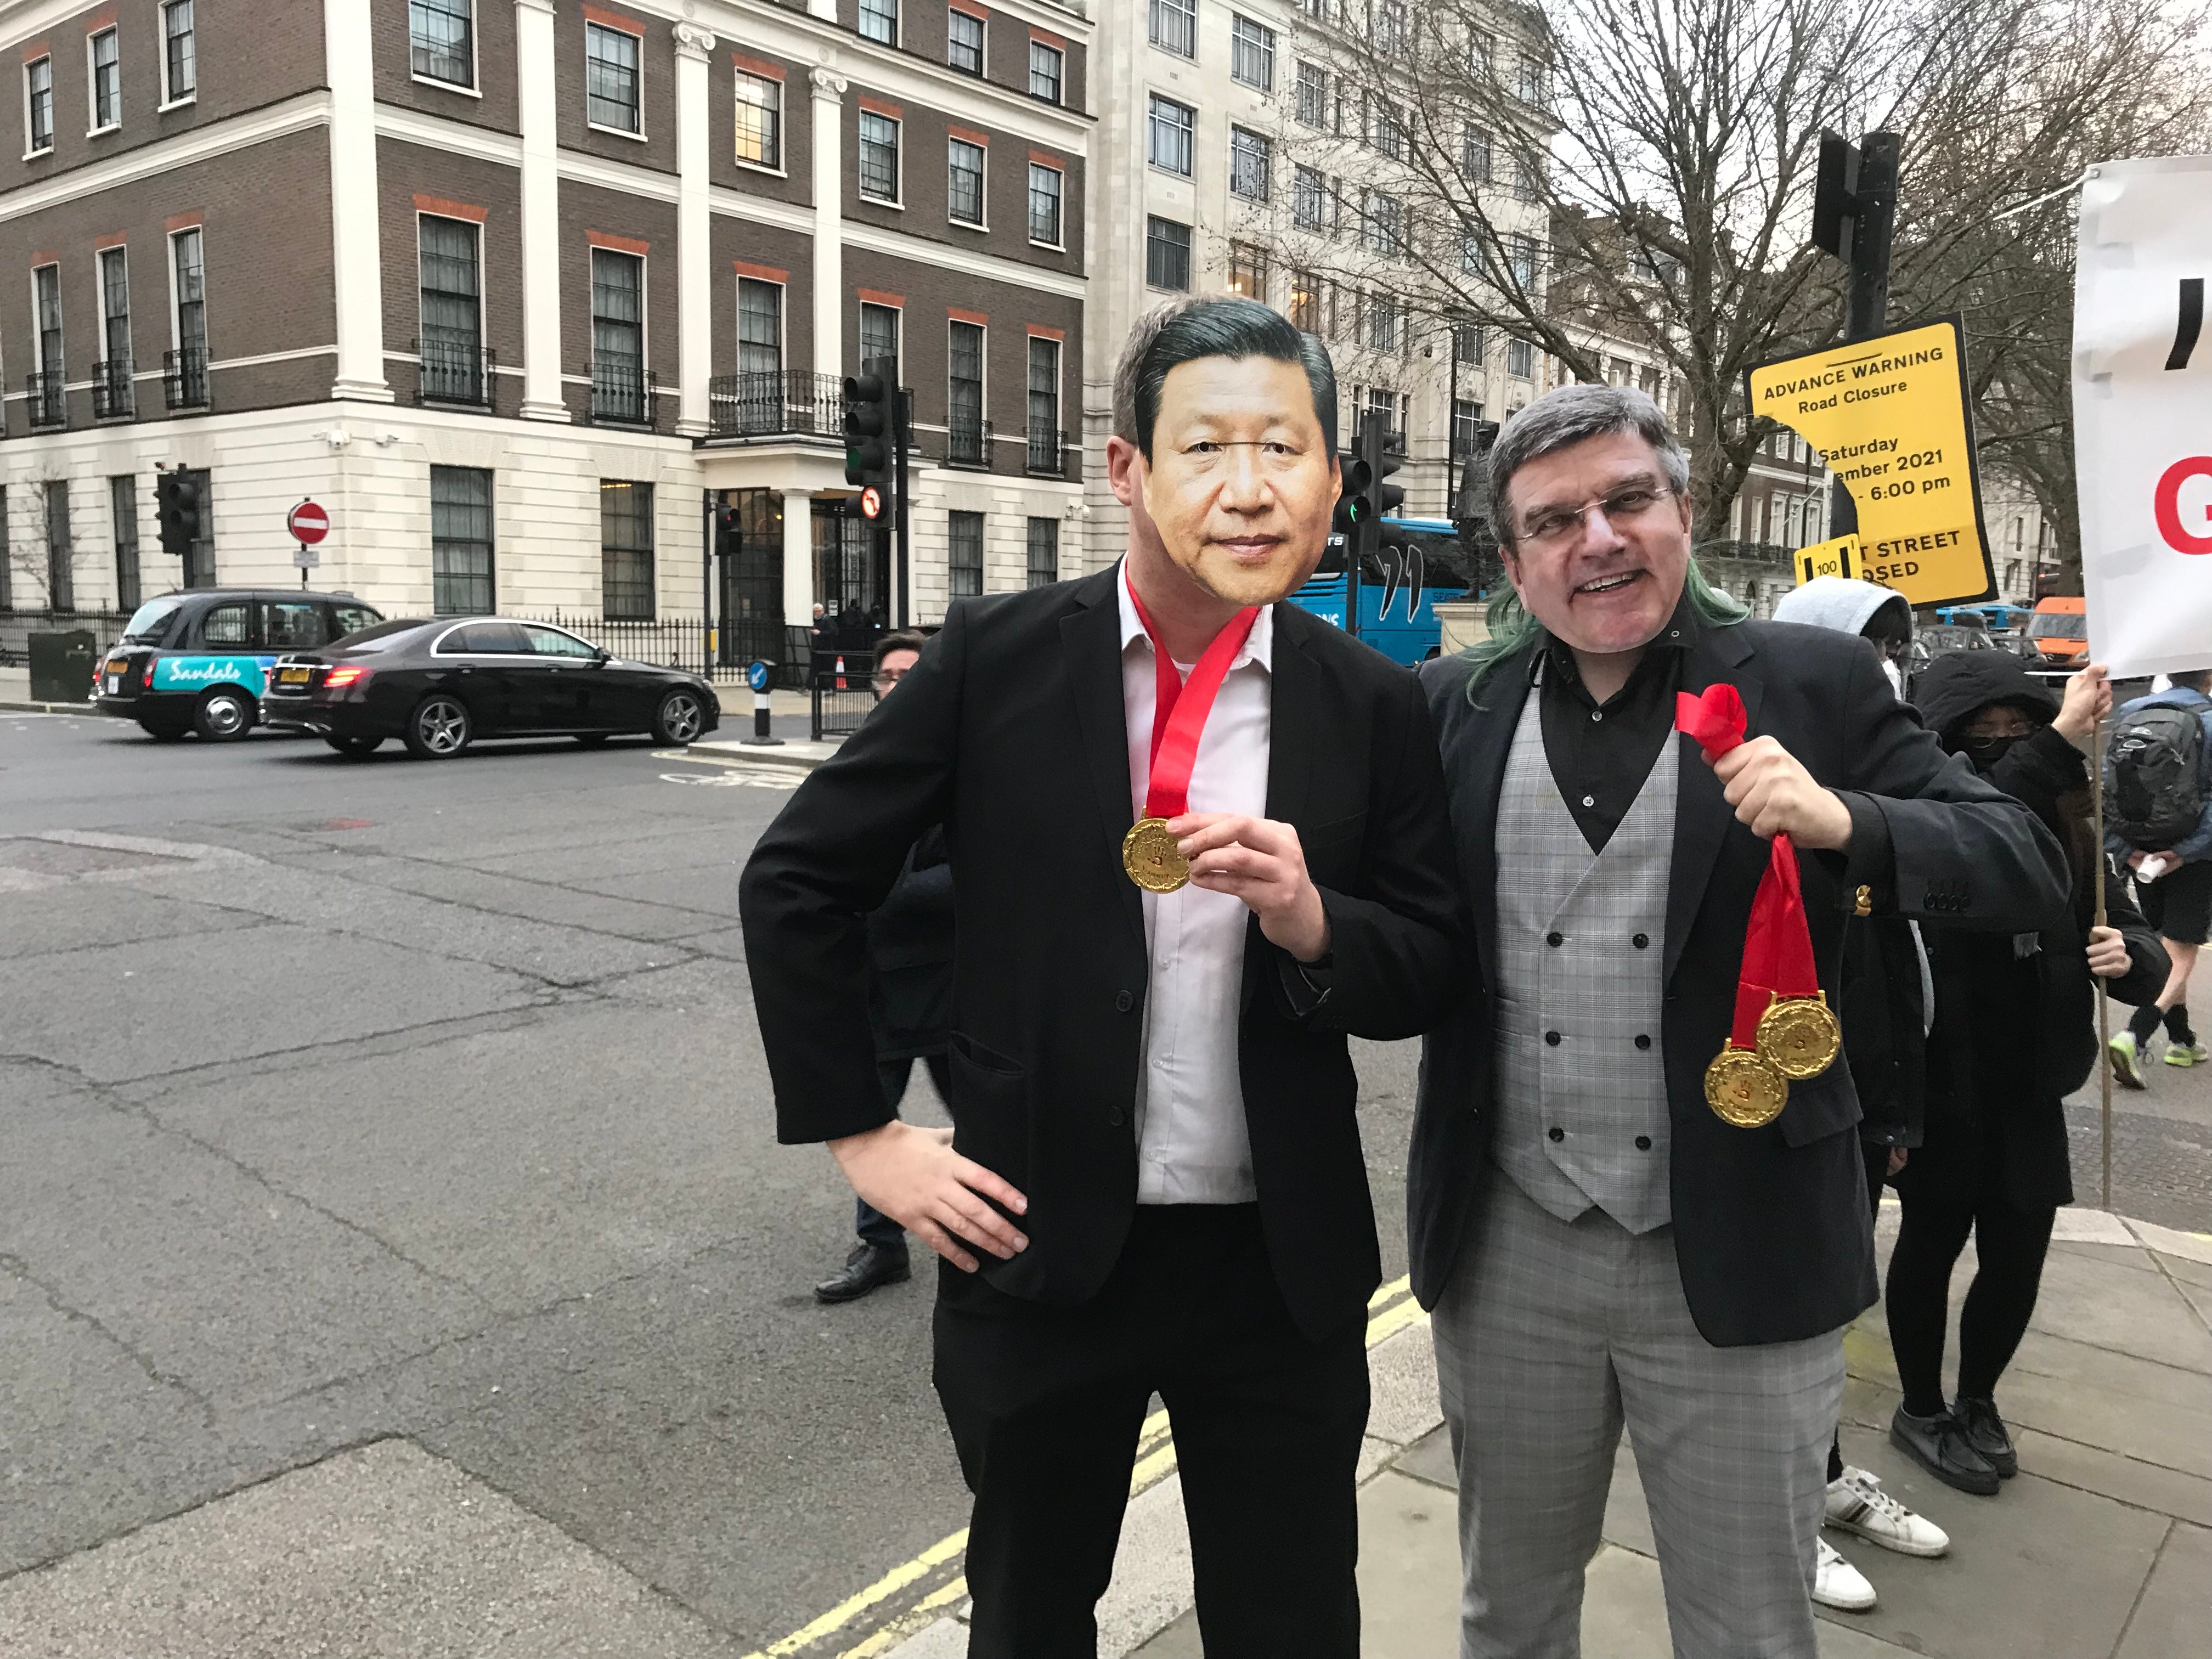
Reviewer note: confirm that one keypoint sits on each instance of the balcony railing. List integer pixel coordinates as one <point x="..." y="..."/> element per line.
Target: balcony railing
<point x="776" y="401"/>
<point x="49" y="404"/>
<point x="185" y="377"/>
<point x="453" y="372"/>
<point x="968" y="441"/>
<point x="622" y="394"/>
<point x="1048" y="451"/>
<point x="111" y="396"/>
<point x="1749" y="552"/>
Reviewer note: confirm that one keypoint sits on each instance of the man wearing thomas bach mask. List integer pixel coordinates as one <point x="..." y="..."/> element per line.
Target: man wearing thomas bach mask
<point x="1197" y="836"/>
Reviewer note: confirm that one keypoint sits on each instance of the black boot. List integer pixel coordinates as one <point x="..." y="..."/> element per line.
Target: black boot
<point x="1987" y="1434"/>
<point x="869" y="1265"/>
<point x="1939" y="1445"/>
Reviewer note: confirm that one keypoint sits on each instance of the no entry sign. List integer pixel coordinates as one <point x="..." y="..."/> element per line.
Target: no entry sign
<point x="308" y="523"/>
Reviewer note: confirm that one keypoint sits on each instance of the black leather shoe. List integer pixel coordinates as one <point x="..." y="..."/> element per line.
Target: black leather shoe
<point x="869" y="1265"/>
<point x="1987" y="1434"/>
<point x="1939" y="1445"/>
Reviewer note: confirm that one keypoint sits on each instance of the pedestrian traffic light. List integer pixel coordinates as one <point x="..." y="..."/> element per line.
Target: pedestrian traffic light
<point x="867" y="429"/>
<point x="176" y="508"/>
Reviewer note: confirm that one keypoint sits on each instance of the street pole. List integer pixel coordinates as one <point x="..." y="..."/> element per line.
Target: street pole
<point x="1858" y="187"/>
<point x="900" y="438"/>
<point x="707" y="584"/>
<point x="2104" y="1002"/>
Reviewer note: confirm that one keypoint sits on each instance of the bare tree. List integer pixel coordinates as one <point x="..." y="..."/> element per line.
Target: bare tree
<point x="1643" y="170"/>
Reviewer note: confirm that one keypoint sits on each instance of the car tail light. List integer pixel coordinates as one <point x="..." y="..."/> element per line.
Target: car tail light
<point x="339" y="678"/>
<point x="146" y="679"/>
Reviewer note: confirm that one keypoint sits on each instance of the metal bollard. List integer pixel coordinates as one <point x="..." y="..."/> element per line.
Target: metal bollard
<point x="757" y="675"/>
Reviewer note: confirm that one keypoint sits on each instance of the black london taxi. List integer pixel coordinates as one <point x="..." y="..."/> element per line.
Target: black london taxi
<point x="199" y="660"/>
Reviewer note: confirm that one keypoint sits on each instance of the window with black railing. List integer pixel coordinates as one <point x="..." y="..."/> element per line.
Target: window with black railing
<point x="1045" y="437"/>
<point x="184" y="378"/>
<point x="966" y="442"/>
<point x="621" y="386"/>
<point x="111" y="390"/>
<point x="452" y="361"/>
<point x="48" y="406"/>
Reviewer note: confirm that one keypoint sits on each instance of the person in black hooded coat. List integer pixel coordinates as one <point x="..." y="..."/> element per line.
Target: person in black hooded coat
<point x="2015" y="1032"/>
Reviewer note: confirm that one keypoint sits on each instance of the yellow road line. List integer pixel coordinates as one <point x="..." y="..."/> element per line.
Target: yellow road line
<point x="1150" y="1469"/>
<point x="890" y="1584"/>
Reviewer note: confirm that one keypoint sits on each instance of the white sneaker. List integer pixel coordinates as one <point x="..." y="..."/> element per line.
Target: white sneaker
<point x="1836" y="1584"/>
<point x="1856" y="1504"/>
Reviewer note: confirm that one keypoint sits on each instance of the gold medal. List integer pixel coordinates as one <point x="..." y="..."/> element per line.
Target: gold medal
<point x="1151" y="856"/>
<point x="1743" y="1089"/>
<point x="1799" y="1037"/>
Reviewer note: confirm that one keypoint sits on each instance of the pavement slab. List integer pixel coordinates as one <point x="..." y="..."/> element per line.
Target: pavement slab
<point x="2170" y="1618"/>
<point x="382" y="1553"/>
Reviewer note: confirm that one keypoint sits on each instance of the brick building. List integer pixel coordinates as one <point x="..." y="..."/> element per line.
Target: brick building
<point x="515" y="289"/>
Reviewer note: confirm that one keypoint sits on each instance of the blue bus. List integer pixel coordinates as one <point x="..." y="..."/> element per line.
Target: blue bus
<point x="1421" y="561"/>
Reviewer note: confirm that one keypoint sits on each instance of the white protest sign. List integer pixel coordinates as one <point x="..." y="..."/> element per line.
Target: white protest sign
<point x="2142" y="412"/>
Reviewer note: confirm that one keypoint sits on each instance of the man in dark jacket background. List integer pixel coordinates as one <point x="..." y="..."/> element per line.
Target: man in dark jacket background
<point x="909" y="1001"/>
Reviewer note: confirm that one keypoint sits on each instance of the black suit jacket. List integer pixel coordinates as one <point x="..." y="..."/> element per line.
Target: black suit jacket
<point x="1771" y="1225"/>
<point x="1011" y="732"/>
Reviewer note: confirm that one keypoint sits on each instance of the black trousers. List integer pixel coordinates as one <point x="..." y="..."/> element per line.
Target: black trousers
<point x="2009" y="1248"/>
<point x="1045" y="1405"/>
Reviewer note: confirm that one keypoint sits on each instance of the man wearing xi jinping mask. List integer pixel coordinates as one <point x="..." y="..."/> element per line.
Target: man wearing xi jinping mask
<point x="1197" y="836"/>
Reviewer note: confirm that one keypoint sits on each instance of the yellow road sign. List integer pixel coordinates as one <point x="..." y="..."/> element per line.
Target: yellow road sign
<point x="1838" y="557"/>
<point x="1890" y="416"/>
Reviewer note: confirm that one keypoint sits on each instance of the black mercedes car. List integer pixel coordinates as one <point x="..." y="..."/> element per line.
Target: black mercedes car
<point x="438" y="686"/>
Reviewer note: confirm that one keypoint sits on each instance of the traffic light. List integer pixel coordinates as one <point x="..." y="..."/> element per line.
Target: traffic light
<point x="868" y="427"/>
<point x="728" y="522"/>
<point x="177" y="506"/>
<point x="1353" y="508"/>
<point x="1382" y="461"/>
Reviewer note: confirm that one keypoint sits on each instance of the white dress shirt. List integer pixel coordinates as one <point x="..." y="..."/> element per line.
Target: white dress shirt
<point x="1192" y="1144"/>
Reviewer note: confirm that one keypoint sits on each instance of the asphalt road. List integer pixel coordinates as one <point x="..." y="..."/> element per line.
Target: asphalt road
<point x="341" y="1101"/>
<point x="344" y="1101"/>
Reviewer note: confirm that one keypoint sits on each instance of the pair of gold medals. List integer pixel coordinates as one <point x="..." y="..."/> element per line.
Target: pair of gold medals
<point x="1798" y="1038"/>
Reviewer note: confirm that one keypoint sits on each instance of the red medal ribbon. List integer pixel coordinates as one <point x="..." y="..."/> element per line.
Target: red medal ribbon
<point x="1778" y="945"/>
<point x="1179" y="710"/>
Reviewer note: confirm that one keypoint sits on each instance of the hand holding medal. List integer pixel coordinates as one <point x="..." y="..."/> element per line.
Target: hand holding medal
<point x="1149" y="853"/>
<point x="1783" y="1030"/>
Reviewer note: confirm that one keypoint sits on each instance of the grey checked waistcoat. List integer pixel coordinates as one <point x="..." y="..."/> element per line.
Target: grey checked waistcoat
<point x="1582" y="1098"/>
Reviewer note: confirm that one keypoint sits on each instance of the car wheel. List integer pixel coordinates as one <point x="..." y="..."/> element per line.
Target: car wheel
<point x="591" y="739"/>
<point x="225" y="714"/>
<point x="438" y="728"/>
<point x="679" y="720"/>
<point x="354" y="748"/>
<point x="163" y="731"/>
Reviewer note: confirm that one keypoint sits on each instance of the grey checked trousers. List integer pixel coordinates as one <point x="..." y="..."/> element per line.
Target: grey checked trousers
<point x="1550" y="1336"/>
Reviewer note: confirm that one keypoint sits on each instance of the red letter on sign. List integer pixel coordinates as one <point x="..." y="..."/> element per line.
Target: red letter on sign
<point x="2165" y="504"/>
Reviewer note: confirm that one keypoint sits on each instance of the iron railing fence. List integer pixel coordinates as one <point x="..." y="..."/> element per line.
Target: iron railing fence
<point x="1049" y="452"/>
<point x="840" y="701"/>
<point x="967" y="442"/>
<point x="775" y="401"/>
<point x="49" y="402"/>
<point x="453" y="372"/>
<point x="112" y="395"/>
<point x="17" y="628"/>
<point x="622" y="394"/>
<point x="184" y="378"/>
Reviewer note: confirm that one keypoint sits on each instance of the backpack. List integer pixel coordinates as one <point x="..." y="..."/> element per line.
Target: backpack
<point x="2154" y="776"/>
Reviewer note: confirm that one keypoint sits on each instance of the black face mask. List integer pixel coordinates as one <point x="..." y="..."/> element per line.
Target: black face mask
<point x="1984" y="753"/>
